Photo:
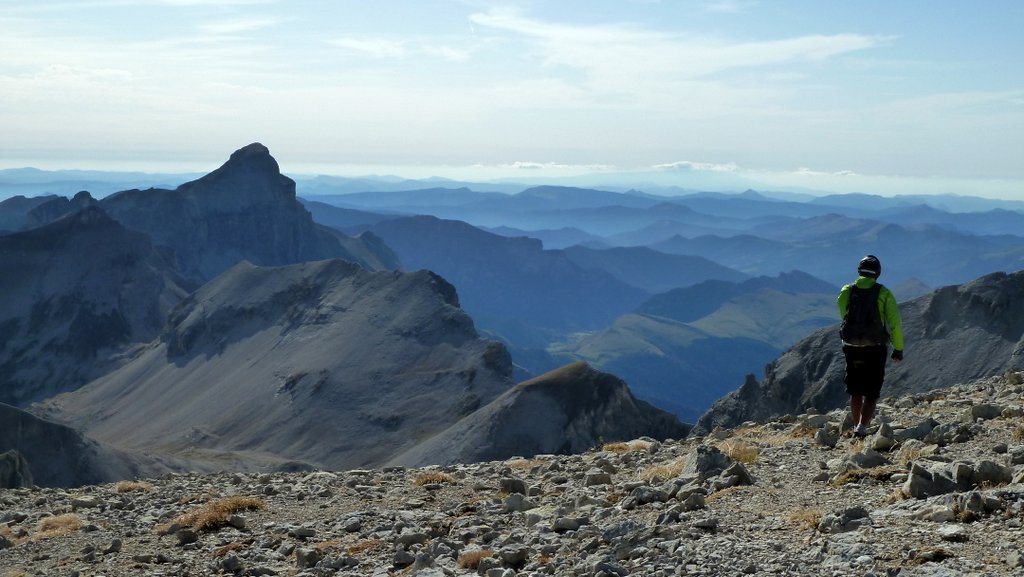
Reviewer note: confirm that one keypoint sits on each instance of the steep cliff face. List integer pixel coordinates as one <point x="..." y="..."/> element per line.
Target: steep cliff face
<point x="322" y="362"/>
<point x="953" y="335"/>
<point x="244" y="210"/>
<point x="568" y="410"/>
<point x="77" y="294"/>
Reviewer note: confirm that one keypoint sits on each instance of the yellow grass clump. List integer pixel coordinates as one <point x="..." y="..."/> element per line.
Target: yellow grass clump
<point x="725" y="493"/>
<point x="57" y="526"/>
<point x="134" y="486"/>
<point x="629" y="447"/>
<point x="1018" y="433"/>
<point x="365" y="546"/>
<point x="526" y="463"/>
<point x="214" y="514"/>
<point x="662" y="472"/>
<point x="740" y="451"/>
<point x="433" y="478"/>
<point x="806" y="518"/>
<point x="471" y="560"/>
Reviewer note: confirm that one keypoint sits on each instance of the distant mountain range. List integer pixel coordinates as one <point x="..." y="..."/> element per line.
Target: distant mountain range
<point x="216" y="326"/>
<point x="680" y="349"/>
<point x="228" y="323"/>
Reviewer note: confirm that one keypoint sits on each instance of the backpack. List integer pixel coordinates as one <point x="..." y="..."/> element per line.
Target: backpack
<point x="862" y="325"/>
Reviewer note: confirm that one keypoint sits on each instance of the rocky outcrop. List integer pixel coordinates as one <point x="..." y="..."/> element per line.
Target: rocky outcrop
<point x="244" y="210"/>
<point x="764" y="499"/>
<point x="956" y="333"/>
<point x="77" y="294"/>
<point x="567" y="410"/>
<point x="323" y="363"/>
<point x="14" y="471"/>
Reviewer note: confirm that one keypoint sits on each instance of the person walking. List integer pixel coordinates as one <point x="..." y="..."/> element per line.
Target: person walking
<point x="871" y="320"/>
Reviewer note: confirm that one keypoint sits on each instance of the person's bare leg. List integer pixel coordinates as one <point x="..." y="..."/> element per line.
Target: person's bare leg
<point x="867" y="411"/>
<point x="856" y="407"/>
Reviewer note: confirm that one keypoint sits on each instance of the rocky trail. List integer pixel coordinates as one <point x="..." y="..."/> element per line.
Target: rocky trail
<point x="937" y="489"/>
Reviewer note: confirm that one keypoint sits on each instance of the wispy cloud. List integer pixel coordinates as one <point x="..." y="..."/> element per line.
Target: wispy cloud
<point x="682" y="74"/>
<point x="606" y="51"/>
<point x="701" y="166"/>
<point x="388" y="48"/>
<point x="375" y="47"/>
<point x="730" y="6"/>
<point x="238" y="26"/>
<point x="555" y="166"/>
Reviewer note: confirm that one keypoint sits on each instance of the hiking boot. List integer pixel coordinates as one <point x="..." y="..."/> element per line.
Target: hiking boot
<point x="860" y="431"/>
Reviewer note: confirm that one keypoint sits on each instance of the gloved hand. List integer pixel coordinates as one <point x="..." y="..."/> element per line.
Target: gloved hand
<point x="897" y="355"/>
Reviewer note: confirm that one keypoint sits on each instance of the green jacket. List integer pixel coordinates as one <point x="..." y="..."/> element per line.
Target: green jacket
<point x="887" y="309"/>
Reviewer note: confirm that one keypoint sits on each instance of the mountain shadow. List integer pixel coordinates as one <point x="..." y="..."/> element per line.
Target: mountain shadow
<point x="53" y="455"/>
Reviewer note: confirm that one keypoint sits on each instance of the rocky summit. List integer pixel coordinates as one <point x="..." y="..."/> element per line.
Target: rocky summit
<point x="244" y="210"/>
<point x="936" y="489"/>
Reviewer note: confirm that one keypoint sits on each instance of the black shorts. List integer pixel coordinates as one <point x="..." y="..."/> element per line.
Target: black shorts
<point x="865" y="370"/>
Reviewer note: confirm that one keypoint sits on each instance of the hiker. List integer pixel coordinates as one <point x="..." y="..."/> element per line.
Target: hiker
<point x="866" y="332"/>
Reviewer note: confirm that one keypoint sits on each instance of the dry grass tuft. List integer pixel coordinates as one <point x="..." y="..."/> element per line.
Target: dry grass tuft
<point x="626" y="447"/>
<point x="897" y="496"/>
<point x="907" y="454"/>
<point x="364" y="546"/>
<point x="433" y="478"/>
<point x="724" y="493"/>
<point x="233" y="546"/>
<point x="57" y="526"/>
<point x="214" y="514"/>
<point x="471" y="560"/>
<point x="662" y="473"/>
<point x="806" y="518"/>
<point x="740" y="451"/>
<point x="1018" y="433"/>
<point x="802" y="431"/>
<point x="329" y="546"/>
<point x="133" y="486"/>
<point x="526" y="463"/>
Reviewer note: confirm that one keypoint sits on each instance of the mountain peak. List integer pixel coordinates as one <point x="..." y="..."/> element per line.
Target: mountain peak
<point x="255" y="150"/>
<point x="253" y="158"/>
<point x="250" y="169"/>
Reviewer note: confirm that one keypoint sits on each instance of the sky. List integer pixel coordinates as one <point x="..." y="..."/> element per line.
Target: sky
<point x="878" y="96"/>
